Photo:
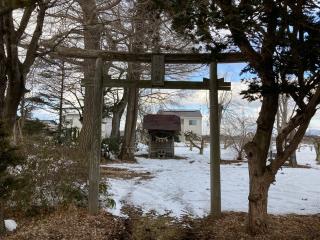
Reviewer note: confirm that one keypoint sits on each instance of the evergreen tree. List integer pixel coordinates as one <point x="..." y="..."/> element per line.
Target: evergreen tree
<point x="280" y="41"/>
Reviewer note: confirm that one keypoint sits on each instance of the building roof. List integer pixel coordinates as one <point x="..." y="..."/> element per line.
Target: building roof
<point x="49" y="121"/>
<point x="181" y="113"/>
<point x="161" y="122"/>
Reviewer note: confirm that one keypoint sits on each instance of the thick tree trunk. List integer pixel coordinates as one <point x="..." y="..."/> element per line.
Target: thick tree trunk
<point x="3" y="86"/>
<point x="3" y="77"/>
<point x="134" y="72"/>
<point x="258" y="204"/>
<point x="259" y="177"/>
<point x="17" y="71"/>
<point x="15" y="92"/>
<point x="116" y="119"/>
<point x="128" y="145"/>
<point x="117" y="114"/>
<point x="293" y="160"/>
<point x="91" y="33"/>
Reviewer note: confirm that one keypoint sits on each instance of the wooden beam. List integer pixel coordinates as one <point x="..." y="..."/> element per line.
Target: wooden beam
<point x="157" y="70"/>
<point x="225" y="86"/>
<point x="170" y="58"/>
<point x="95" y="150"/>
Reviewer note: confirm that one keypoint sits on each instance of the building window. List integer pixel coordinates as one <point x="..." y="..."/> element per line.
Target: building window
<point x="192" y="122"/>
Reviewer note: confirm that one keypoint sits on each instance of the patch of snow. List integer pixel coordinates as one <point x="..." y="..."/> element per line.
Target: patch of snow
<point x="313" y="132"/>
<point x="183" y="186"/>
<point x="10" y="224"/>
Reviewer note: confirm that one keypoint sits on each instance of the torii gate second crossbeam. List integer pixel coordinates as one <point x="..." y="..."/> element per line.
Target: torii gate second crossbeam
<point x="213" y="84"/>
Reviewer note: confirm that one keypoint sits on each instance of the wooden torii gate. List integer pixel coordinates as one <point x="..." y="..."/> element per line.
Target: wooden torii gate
<point x="213" y="84"/>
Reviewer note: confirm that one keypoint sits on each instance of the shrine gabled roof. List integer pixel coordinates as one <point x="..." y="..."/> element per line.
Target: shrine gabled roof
<point x="162" y="122"/>
<point x="182" y="113"/>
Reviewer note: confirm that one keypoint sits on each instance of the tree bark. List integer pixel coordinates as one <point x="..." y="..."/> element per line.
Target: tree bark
<point x="92" y="34"/>
<point x="259" y="177"/>
<point x="61" y="101"/>
<point x="317" y="150"/>
<point x="3" y="77"/>
<point x="16" y="70"/>
<point x="117" y="113"/>
<point x="134" y="72"/>
<point x="128" y="145"/>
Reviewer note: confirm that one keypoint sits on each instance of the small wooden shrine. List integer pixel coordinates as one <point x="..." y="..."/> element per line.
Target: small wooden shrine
<point x="161" y="129"/>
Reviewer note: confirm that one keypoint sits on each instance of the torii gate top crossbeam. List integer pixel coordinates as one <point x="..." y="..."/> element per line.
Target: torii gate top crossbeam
<point x="169" y="58"/>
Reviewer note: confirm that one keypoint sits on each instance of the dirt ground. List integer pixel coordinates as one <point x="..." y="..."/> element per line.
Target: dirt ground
<point x="74" y="223"/>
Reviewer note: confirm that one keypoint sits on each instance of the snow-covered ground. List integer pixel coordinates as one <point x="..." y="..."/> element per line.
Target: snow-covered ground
<point x="182" y="186"/>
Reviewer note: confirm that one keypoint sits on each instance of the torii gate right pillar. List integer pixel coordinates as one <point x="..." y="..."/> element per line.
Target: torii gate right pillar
<point x="215" y="183"/>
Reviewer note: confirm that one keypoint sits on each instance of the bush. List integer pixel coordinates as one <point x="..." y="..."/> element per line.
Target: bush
<point x="55" y="175"/>
<point x="156" y="227"/>
<point x="9" y="182"/>
<point x="110" y="146"/>
<point x="33" y="127"/>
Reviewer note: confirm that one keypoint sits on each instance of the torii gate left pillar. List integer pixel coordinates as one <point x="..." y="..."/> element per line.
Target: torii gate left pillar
<point x="94" y="154"/>
<point x="213" y="85"/>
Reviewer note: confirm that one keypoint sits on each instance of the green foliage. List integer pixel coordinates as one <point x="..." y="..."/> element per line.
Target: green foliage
<point x="9" y="160"/>
<point x="105" y="198"/>
<point x="54" y="175"/>
<point x="33" y="127"/>
<point x="110" y="146"/>
<point x="280" y="40"/>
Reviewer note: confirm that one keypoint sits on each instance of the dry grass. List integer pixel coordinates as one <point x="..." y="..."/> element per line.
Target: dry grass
<point x="232" y="225"/>
<point x="121" y="173"/>
<point x="75" y="223"/>
<point x="70" y="223"/>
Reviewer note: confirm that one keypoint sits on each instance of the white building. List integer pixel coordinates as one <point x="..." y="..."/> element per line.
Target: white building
<point x="72" y="120"/>
<point x="191" y="120"/>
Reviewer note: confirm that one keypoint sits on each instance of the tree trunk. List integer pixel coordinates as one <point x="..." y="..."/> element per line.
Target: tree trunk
<point x="61" y="102"/>
<point x="258" y="204"/>
<point x="127" y="148"/>
<point x="259" y="177"/>
<point x="91" y="33"/>
<point x="15" y="92"/>
<point x="317" y="150"/>
<point x="3" y="77"/>
<point x="293" y="160"/>
<point x="134" y="72"/>
<point x="201" y="147"/>
<point x="17" y="71"/>
<point x="116" y="119"/>
<point x="117" y="114"/>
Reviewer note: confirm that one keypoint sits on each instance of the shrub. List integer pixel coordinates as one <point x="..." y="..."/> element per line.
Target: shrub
<point x="110" y="146"/>
<point x="9" y="182"/>
<point x="33" y="127"/>
<point x="55" y="175"/>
